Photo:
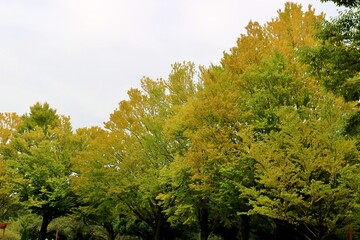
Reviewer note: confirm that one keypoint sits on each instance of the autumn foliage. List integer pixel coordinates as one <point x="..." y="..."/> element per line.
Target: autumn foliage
<point x="264" y="145"/>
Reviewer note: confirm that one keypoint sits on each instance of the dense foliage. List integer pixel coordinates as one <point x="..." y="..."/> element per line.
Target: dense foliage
<point x="264" y="145"/>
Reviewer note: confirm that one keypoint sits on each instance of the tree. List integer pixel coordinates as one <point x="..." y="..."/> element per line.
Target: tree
<point x="206" y="127"/>
<point x="259" y="75"/>
<point x="307" y="170"/>
<point x="39" y="157"/>
<point x="94" y="179"/>
<point x="118" y="168"/>
<point x="138" y="124"/>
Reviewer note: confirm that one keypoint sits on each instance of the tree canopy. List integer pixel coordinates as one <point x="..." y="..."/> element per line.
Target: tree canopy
<point x="39" y="160"/>
<point x="264" y="145"/>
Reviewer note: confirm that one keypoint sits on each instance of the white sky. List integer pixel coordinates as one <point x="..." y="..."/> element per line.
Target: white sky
<point x="82" y="56"/>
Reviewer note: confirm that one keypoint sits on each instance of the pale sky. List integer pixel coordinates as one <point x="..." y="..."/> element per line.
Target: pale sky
<point x="82" y="56"/>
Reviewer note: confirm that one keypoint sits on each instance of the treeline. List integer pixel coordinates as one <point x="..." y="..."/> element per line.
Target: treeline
<point x="264" y="145"/>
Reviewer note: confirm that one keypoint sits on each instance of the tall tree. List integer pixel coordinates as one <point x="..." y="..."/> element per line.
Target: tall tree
<point x="120" y="166"/>
<point x="307" y="170"/>
<point x="137" y="124"/>
<point x="256" y="77"/>
<point x="39" y="157"/>
<point x="207" y="127"/>
<point x="94" y="179"/>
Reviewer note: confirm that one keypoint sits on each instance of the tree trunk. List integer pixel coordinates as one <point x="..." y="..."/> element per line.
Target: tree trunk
<point x="158" y="227"/>
<point x="350" y="232"/>
<point x="110" y="230"/>
<point x="245" y="227"/>
<point x="44" y="225"/>
<point x="204" y="223"/>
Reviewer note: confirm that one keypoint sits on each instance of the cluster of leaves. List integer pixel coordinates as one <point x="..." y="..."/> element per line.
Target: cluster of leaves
<point x="345" y="3"/>
<point x="264" y="145"/>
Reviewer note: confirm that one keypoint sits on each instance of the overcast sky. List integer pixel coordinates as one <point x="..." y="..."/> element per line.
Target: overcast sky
<point x="82" y="56"/>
